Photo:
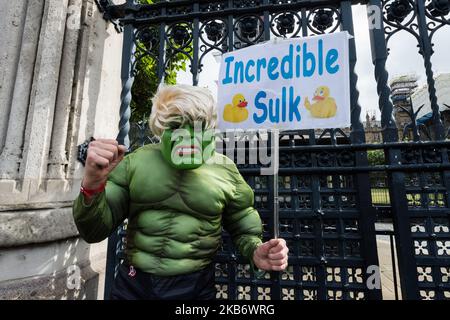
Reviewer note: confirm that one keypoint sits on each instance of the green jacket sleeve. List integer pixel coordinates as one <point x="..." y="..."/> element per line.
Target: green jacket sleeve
<point x="96" y="221"/>
<point x="241" y="219"/>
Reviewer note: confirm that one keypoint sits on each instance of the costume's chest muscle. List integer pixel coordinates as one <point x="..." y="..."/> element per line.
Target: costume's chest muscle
<point x="156" y="185"/>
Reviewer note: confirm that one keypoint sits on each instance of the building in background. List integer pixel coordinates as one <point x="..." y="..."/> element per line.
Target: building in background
<point x="372" y="128"/>
<point x="402" y="88"/>
<point x="421" y="97"/>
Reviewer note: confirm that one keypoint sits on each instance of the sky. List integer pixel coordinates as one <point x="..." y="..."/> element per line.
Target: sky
<point x="403" y="59"/>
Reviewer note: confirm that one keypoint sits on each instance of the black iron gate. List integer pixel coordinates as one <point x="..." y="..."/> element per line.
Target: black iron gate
<point x="325" y="196"/>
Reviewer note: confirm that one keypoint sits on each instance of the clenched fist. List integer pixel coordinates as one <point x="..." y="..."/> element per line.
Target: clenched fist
<point x="103" y="156"/>
<point x="271" y="255"/>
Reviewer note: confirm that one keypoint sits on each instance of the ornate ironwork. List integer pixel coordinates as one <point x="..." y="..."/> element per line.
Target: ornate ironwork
<point x="249" y="30"/>
<point x="82" y="151"/>
<point x="413" y="125"/>
<point x="111" y="12"/>
<point x="323" y="20"/>
<point x="147" y="42"/>
<point x="286" y="24"/>
<point x="399" y="15"/>
<point x="215" y="30"/>
<point x="398" y="10"/>
<point x="326" y="211"/>
<point x="216" y="38"/>
<point x="438" y="8"/>
<point x="411" y="16"/>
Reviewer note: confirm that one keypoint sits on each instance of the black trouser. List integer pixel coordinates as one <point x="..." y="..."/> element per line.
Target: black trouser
<point x="134" y="284"/>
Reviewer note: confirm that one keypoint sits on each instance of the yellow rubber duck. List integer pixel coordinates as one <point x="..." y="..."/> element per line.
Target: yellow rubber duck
<point x="237" y="111"/>
<point x="324" y="106"/>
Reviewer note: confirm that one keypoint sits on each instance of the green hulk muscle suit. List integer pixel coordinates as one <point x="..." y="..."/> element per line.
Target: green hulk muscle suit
<point x="176" y="196"/>
<point x="174" y="216"/>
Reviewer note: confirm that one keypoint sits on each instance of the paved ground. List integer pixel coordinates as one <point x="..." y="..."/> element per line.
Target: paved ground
<point x="98" y="263"/>
<point x="385" y="261"/>
<point x="386" y="269"/>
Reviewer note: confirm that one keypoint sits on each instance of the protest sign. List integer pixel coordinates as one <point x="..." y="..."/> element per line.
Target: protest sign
<point x="300" y="83"/>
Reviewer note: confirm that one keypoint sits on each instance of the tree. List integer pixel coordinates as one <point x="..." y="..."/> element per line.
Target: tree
<point x="375" y="157"/>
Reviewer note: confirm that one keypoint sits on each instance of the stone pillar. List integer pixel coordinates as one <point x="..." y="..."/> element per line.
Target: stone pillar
<point x="60" y="84"/>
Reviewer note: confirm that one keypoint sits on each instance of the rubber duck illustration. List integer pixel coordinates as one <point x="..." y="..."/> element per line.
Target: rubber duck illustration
<point x="324" y="106"/>
<point x="237" y="110"/>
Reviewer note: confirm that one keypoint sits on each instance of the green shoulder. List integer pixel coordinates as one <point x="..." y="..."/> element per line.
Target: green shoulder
<point x="224" y="162"/>
<point x="143" y="157"/>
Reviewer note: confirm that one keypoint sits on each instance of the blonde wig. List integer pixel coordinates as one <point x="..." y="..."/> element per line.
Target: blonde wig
<point x="175" y="105"/>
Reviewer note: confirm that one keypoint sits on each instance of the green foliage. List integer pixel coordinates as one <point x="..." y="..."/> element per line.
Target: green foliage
<point x="146" y="80"/>
<point x="375" y="157"/>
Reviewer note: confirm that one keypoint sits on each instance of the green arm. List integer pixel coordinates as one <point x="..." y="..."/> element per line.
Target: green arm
<point x="242" y="220"/>
<point x="96" y="221"/>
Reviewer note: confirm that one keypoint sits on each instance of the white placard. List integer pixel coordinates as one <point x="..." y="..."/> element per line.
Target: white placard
<point x="300" y="83"/>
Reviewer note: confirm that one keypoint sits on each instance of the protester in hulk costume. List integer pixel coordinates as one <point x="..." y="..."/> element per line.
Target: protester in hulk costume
<point x="175" y="195"/>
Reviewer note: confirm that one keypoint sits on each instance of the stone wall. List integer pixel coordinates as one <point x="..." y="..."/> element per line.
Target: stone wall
<point x="59" y="85"/>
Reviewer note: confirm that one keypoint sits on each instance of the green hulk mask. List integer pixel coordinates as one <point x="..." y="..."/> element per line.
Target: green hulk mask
<point x="186" y="148"/>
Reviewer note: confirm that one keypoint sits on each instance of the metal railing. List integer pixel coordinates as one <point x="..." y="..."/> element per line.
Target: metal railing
<point x="327" y="214"/>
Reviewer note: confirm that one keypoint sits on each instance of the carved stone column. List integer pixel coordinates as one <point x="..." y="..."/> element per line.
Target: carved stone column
<point x="60" y="85"/>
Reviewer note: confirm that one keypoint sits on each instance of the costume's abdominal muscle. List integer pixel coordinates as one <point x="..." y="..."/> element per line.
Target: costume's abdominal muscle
<point x="175" y="215"/>
<point x="175" y="212"/>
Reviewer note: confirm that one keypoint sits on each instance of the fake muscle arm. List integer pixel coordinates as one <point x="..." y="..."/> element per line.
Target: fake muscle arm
<point x="107" y="210"/>
<point x="242" y="220"/>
